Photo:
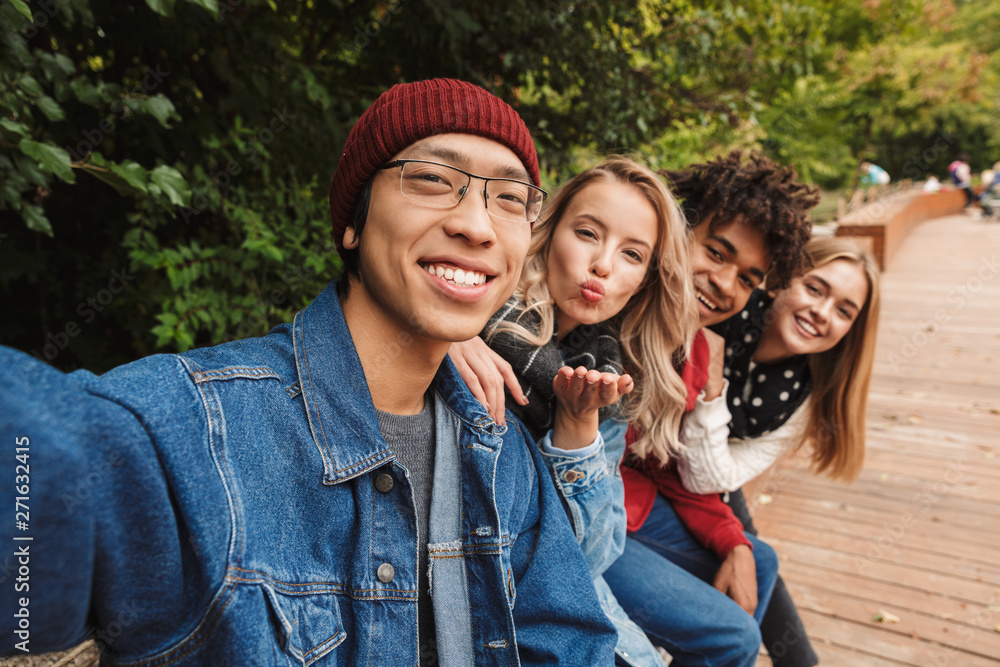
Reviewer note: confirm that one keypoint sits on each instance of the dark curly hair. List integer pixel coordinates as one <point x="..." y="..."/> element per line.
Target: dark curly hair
<point x="760" y="192"/>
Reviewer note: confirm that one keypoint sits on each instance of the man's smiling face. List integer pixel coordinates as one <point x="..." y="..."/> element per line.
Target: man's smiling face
<point x="729" y="262"/>
<point x="405" y="245"/>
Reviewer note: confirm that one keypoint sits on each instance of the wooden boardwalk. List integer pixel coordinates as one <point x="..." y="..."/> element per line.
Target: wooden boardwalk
<point x="915" y="540"/>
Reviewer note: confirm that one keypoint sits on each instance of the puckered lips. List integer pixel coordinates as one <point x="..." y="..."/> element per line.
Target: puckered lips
<point x="592" y="291"/>
<point x="459" y="278"/>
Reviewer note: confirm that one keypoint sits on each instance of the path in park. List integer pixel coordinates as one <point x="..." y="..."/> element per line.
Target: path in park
<point x="916" y="539"/>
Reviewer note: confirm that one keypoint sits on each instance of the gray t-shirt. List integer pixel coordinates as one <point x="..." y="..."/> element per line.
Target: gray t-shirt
<point x="411" y="437"/>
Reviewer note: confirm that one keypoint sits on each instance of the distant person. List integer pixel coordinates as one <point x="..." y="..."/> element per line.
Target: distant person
<point x="991" y="190"/>
<point x="872" y="174"/>
<point x="932" y="184"/>
<point x="961" y="176"/>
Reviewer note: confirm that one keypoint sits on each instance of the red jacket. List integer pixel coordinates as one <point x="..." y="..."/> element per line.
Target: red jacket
<point x="710" y="520"/>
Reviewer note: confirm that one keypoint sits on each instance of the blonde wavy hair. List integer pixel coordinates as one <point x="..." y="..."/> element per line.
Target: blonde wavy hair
<point x="841" y="375"/>
<point x="657" y="324"/>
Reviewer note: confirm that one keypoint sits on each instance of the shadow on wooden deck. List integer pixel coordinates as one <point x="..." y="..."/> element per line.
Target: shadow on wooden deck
<point x="916" y="539"/>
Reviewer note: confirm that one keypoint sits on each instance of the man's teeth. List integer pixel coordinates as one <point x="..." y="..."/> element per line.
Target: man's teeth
<point x="708" y="304"/>
<point x="456" y="276"/>
<point x="808" y="327"/>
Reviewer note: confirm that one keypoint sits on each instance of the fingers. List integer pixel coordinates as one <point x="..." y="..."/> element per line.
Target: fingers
<point x="485" y="372"/>
<point x="490" y="383"/>
<point x="745" y="600"/>
<point x="510" y="379"/>
<point x="470" y="377"/>
<point x="581" y="389"/>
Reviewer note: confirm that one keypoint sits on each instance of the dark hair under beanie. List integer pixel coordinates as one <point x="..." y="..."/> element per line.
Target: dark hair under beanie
<point x="408" y="112"/>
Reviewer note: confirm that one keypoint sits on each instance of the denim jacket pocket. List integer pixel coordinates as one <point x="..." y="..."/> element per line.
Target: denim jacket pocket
<point x="308" y="626"/>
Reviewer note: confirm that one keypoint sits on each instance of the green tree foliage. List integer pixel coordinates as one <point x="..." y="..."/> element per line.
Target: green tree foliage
<point x="164" y="163"/>
<point x="908" y="85"/>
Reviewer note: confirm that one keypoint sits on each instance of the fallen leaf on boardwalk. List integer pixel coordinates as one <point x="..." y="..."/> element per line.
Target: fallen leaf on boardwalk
<point x="996" y="628"/>
<point x="764" y="499"/>
<point x="948" y="615"/>
<point x="994" y="411"/>
<point x="883" y="477"/>
<point x="891" y="417"/>
<point x="915" y="419"/>
<point x="989" y="455"/>
<point x="993" y="607"/>
<point x="918" y="394"/>
<point x="885" y="617"/>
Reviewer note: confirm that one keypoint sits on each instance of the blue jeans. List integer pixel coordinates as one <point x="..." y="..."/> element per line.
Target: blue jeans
<point x="663" y="581"/>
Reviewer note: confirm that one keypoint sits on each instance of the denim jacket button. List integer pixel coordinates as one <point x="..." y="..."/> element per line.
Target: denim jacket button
<point x="384" y="482"/>
<point x="573" y="475"/>
<point x="385" y="573"/>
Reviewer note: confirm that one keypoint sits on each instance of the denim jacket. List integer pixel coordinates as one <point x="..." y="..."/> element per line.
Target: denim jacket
<point x="238" y="505"/>
<point x="591" y="487"/>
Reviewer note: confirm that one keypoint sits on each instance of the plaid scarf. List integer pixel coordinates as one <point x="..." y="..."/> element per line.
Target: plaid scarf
<point x="761" y="397"/>
<point x="593" y="346"/>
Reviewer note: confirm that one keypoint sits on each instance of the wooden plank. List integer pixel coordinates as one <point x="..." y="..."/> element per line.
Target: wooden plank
<point x="930" y="493"/>
<point x="947" y="633"/>
<point x="876" y="642"/>
<point x="913" y="599"/>
<point x="963" y="581"/>
<point x="907" y="532"/>
<point x="836" y="656"/>
<point x="869" y="520"/>
<point x="892" y="510"/>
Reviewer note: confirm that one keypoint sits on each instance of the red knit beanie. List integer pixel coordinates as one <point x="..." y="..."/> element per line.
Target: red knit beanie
<point x="408" y="112"/>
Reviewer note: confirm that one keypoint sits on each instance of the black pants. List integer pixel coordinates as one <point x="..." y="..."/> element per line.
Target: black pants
<point x="784" y="635"/>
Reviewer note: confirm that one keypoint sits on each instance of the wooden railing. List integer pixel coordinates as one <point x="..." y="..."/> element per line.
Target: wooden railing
<point x="881" y="226"/>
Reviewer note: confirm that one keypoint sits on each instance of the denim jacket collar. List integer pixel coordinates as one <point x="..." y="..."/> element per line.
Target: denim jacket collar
<point x="325" y="357"/>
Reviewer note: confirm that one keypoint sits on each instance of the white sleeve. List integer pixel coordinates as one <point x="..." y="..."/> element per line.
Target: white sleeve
<point x="711" y="462"/>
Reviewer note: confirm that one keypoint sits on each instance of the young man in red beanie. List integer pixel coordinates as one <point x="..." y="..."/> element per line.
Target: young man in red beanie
<point x="330" y="493"/>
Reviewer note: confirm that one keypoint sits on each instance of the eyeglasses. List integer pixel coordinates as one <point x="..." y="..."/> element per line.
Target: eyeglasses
<point x="443" y="186"/>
